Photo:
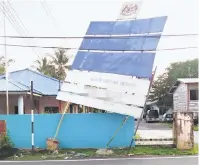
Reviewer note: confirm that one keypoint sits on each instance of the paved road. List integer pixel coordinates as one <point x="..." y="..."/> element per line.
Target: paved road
<point x="152" y="126"/>
<point x="135" y="161"/>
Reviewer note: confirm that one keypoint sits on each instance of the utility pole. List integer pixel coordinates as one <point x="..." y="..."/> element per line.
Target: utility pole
<point x="6" y="60"/>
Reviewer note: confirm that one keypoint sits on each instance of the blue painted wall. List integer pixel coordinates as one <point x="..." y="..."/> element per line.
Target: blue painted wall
<point x="92" y="130"/>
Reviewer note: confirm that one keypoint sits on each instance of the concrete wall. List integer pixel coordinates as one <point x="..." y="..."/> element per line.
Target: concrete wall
<point x="180" y="98"/>
<point x="92" y="130"/>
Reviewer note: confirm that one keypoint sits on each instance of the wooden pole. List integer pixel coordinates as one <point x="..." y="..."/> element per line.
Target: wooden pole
<point x="6" y="60"/>
<point x="60" y="121"/>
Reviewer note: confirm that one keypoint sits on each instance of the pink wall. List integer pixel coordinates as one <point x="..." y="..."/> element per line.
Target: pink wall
<point x="42" y="103"/>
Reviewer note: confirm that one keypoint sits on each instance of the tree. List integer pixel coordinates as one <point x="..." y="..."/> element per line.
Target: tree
<point x="3" y="64"/>
<point x="60" y="62"/>
<point x="43" y="65"/>
<point x="160" y="87"/>
<point x="55" y="66"/>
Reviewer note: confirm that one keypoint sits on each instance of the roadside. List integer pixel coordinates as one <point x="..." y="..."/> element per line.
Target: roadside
<point x="157" y="131"/>
<point x="93" y="153"/>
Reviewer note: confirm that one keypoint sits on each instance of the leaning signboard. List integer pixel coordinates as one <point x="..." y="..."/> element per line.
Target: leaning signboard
<point x="113" y="74"/>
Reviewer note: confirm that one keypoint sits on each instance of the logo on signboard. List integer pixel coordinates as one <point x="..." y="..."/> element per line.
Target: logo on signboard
<point x="129" y="10"/>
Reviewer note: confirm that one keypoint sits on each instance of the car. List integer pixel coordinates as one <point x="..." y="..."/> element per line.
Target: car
<point x="167" y="117"/>
<point x="152" y="116"/>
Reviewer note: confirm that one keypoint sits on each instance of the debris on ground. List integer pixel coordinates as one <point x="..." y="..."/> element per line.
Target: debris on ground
<point x="81" y="155"/>
<point x="104" y="152"/>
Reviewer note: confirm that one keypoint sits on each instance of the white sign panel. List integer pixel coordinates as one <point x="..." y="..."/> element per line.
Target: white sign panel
<point x="100" y="104"/>
<point x="105" y="94"/>
<point x="129" y="10"/>
<point x="114" y="82"/>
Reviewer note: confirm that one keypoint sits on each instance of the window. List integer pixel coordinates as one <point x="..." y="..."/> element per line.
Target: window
<point x="51" y="109"/>
<point x="193" y="94"/>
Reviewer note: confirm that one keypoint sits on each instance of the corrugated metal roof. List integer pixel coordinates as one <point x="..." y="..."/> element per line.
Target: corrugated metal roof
<point x="41" y="83"/>
<point x="188" y="80"/>
<point x="182" y="80"/>
<point x="12" y="86"/>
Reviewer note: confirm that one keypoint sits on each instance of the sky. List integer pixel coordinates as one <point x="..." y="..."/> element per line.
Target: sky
<point x="72" y="18"/>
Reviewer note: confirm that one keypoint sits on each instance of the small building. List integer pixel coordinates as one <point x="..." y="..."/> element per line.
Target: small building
<point x="45" y="90"/>
<point x="185" y="95"/>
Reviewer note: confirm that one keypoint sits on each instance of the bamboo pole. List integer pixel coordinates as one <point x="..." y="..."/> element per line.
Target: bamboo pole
<point x="116" y="132"/>
<point x="60" y="121"/>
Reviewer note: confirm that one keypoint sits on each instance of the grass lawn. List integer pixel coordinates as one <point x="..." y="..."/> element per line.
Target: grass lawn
<point x="195" y="128"/>
<point x="170" y="125"/>
<point x="91" y="153"/>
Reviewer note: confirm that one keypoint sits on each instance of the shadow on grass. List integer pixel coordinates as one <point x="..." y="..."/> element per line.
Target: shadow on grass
<point x="5" y="153"/>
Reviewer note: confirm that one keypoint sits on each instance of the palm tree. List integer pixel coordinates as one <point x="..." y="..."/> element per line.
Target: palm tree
<point x="60" y="62"/>
<point x="43" y="65"/>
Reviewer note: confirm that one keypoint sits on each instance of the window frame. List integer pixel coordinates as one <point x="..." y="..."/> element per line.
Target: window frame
<point x="196" y="95"/>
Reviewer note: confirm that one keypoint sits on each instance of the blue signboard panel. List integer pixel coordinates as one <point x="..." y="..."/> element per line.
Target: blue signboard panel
<point x="121" y="43"/>
<point x="100" y="28"/>
<point x="157" y="24"/>
<point x="93" y="44"/>
<point x="134" y="43"/>
<point x="121" y="27"/>
<point x="115" y="44"/>
<point x="132" y="64"/>
<point x="151" y="42"/>
<point x="139" y="26"/>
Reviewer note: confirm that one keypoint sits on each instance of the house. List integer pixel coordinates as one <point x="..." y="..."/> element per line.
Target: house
<point x="44" y="92"/>
<point x="185" y="95"/>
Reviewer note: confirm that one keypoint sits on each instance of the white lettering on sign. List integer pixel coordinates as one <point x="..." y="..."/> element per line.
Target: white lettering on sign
<point x="115" y="82"/>
<point x="105" y="94"/>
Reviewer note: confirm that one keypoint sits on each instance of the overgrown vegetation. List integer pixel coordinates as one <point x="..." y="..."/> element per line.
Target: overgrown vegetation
<point x="6" y="146"/>
<point x="91" y="153"/>
<point x="5" y="141"/>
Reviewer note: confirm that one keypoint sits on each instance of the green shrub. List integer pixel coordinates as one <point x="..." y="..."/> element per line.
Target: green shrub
<point x="5" y="142"/>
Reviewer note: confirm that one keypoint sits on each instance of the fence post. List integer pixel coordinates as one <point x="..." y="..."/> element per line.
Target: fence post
<point x="183" y="130"/>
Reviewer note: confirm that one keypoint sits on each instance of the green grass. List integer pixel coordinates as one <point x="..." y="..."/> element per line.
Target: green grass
<point x="162" y="150"/>
<point x="170" y="125"/>
<point x="138" y="150"/>
<point x="137" y="136"/>
<point x="195" y="128"/>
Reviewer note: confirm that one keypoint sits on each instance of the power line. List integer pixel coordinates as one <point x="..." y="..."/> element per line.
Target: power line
<point x="68" y="48"/>
<point x="10" y="19"/>
<point x="49" y="14"/>
<point x="9" y="3"/>
<point x="15" y="23"/>
<point x="100" y="36"/>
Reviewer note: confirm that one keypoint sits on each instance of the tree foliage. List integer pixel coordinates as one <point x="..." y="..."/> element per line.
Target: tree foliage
<point x="55" y="66"/>
<point x="3" y="64"/>
<point x="160" y="87"/>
